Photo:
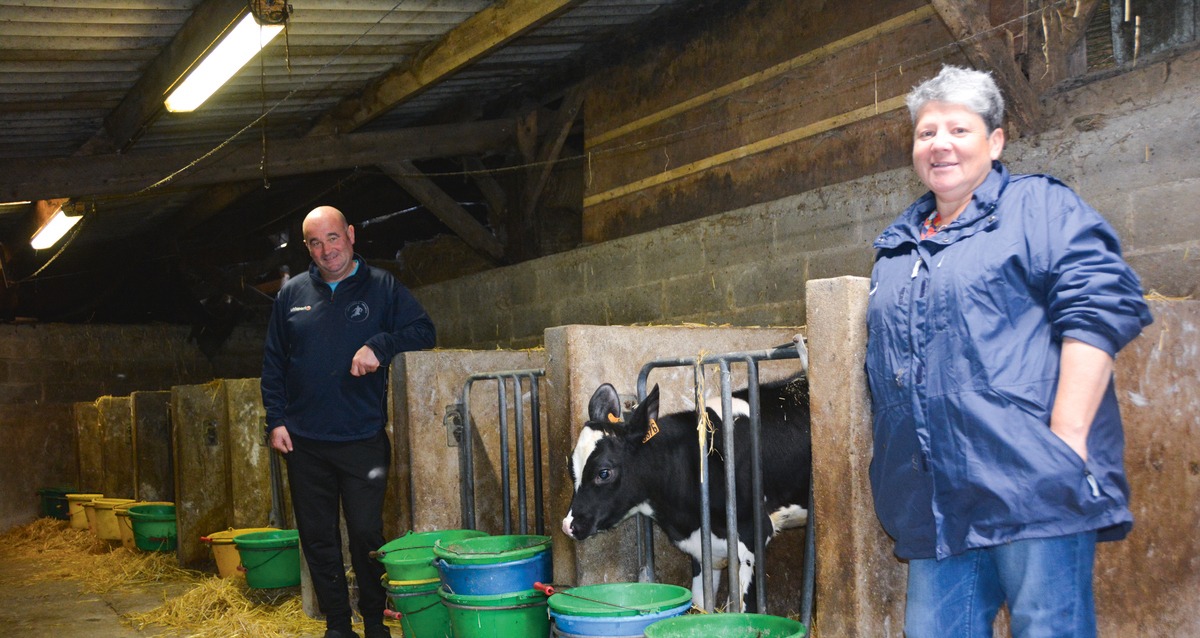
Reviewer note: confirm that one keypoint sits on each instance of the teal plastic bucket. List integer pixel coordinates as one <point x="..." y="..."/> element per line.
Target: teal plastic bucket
<point x="153" y="527"/>
<point x="271" y="559"/>
<point x="727" y="626"/>
<point x="422" y="614"/>
<point x="519" y="614"/>
<point x="410" y="557"/>
<point x="53" y="501"/>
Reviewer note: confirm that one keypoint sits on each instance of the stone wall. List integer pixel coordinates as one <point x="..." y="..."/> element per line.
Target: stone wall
<point x="1126" y="144"/>
<point x="46" y="369"/>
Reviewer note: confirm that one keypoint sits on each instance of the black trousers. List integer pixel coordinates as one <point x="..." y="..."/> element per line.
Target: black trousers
<point x="353" y="474"/>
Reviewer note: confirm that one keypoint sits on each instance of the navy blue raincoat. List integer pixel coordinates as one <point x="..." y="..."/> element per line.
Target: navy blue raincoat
<point x="965" y="330"/>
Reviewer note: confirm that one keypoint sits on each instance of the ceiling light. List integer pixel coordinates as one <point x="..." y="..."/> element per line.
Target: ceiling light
<point x="232" y="53"/>
<point x="53" y="230"/>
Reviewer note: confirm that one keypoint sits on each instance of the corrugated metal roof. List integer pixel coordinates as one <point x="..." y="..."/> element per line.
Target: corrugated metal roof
<point x="67" y="65"/>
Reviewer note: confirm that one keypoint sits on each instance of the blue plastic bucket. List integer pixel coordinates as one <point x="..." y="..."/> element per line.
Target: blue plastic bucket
<point x="496" y="578"/>
<point x="612" y="626"/>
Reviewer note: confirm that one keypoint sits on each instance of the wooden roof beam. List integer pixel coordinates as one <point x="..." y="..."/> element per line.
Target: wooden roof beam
<point x="968" y="22"/>
<point x="409" y="177"/>
<point x="133" y="172"/>
<point x="475" y="38"/>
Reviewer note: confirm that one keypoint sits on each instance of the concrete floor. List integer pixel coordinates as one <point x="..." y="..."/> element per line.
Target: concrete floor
<point x="62" y="608"/>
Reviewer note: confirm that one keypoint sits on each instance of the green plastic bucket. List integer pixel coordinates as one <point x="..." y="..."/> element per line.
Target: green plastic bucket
<point x="153" y="527"/>
<point x="410" y="557"/>
<point x="271" y="559"/>
<point x="489" y="550"/>
<point x="422" y="614"/>
<point x="53" y="502"/>
<point x="519" y="614"/>
<point x="727" y="626"/>
<point x="619" y="599"/>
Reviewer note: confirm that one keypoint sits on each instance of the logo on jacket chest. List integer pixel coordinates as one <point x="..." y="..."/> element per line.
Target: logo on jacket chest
<point x="358" y="312"/>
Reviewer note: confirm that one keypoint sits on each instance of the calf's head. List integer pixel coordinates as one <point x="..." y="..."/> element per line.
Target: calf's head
<point x="605" y="464"/>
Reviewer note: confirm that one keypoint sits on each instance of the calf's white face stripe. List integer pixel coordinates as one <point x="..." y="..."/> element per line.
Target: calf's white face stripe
<point x="588" y="438"/>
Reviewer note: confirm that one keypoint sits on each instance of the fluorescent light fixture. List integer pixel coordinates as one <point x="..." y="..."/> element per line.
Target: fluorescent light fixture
<point x="53" y="230"/>
<point x="232" y="53"/>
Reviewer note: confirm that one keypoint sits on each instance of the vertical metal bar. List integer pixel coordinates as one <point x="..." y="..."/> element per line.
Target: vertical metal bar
<point x="466" y="464"/>
<point x="519" y="428"/>
<point x="756" y="484"/>
<point x="705" y="501"/>
<point x="810" y="564"/>
<point x="728" y="430"/>
<point x="535" y="426"/>
<point x="505" y="487"/>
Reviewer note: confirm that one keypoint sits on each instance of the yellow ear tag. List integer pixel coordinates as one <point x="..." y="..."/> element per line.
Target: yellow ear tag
<point x="653" y="429"/>
<point x="612" y="418"/>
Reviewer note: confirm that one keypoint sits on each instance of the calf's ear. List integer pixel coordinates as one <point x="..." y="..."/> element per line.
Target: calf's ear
<point x="604" y="401"/>
<point x="643" y="423"/>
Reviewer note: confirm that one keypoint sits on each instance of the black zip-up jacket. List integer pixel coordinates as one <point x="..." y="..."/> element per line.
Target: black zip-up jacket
<point x="311" y="340"/>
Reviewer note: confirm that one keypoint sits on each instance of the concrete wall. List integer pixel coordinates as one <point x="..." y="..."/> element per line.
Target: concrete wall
<point x="425" y="478"/>
<point x="1126" y="144"/>
<point x="1148" y="584"/>
<point x="45" y="369"/>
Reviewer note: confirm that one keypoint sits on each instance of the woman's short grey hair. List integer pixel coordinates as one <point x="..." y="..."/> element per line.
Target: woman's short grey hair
<point x="975" y="90"/>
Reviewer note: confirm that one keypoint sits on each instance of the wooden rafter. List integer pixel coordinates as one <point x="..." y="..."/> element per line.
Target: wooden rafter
<point x="476" y="37"/>
<point x="969" y="24"/>
<point x="131" y="172"/>
<point x="409" y="177"/>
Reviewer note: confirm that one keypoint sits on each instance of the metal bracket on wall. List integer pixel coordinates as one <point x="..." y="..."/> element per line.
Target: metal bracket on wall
<point x="453" y="420"/>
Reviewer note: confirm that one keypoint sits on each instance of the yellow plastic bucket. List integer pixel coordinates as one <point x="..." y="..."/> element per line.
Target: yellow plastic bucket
<point x="106" y="519"/>
<point x="125" y="525"/>
<point x="75" y="508"/>
<point x="89" y="512"/>
<point x="226" y="553"/>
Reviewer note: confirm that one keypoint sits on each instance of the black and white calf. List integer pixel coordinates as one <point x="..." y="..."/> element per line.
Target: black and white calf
<point x="647" y="464"/>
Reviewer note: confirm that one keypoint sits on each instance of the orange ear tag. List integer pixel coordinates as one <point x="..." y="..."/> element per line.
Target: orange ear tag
<point x="651" y="431"/>
<point x="612" y="418"/>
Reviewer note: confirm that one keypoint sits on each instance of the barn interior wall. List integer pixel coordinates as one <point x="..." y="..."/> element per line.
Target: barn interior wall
<point x="1125" y="142"/>
<point x="48" y="369"/>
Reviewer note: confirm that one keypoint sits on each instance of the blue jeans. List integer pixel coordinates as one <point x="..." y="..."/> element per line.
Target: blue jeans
<point x="1047" y="583"/>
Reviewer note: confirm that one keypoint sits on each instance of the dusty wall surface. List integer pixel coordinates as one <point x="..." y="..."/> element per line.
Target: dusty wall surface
<point x="249" y="460"/>
<point x="581" y="358"/>
<point x="152" y="435"/>
<point x="1126" y="144"/>
<point x="1148" y="584"/>
<point x="426" y="471"/>
<point x="201" y="455"/>
<point x="45" y="368"/>
<point x="43" y="440"/>
<point x="116" y="432"/>
<point x="89" y="446"/>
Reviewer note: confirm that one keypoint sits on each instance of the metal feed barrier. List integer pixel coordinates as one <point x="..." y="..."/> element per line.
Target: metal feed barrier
<point x="460" y="425"/>
<point x="796" y="350"/>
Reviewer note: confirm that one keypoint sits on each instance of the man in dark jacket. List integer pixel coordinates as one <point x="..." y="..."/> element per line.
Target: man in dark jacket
<point x="333" y="332"/>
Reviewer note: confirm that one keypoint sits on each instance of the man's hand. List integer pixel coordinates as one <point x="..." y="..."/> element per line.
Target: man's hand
<point x="281" y="441"/>
<point x="365" y="362"/>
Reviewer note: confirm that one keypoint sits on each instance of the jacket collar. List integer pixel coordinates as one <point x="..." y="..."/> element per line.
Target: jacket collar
<point x="359" y="273"/>
<point x="907" y="228"/>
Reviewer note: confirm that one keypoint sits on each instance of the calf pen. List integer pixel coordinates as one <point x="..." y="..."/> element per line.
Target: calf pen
<point x="460" y="426"/>
<point x="795" y="350"/>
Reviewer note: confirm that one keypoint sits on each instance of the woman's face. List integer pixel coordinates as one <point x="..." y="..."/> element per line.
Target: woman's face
<point x="952" y="150"/>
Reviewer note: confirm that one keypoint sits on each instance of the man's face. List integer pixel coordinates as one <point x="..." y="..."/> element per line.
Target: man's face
<point x="330" y="243"/>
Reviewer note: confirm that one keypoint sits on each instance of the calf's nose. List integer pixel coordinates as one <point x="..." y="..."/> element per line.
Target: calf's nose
<point x="566" y="525"/>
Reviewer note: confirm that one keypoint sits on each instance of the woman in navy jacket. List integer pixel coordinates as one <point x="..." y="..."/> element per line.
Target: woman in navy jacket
<point x="997" y="304"/>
